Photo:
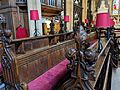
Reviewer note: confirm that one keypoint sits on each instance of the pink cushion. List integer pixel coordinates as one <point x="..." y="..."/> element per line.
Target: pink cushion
<point x="50" y="78"/>
<point x="0" y="69"/>
<point x="92" y="42"/>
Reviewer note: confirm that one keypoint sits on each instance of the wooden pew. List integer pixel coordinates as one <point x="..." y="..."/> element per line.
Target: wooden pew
<point x="27" y="59"/>
<point x="40" y="54"/>
<point x="103" y="69"/>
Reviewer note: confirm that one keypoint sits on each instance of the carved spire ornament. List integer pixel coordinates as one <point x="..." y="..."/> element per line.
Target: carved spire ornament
<point x="103" y="8"/>
<point x="79" y="79"/>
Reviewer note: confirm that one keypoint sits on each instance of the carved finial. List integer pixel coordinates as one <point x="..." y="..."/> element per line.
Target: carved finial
<point x="2" y="22"/>
<point x="24" y="86"/>
<point x="8" y="33"/>
<point x="103" y="8"/>
<point x="1" y="33"/>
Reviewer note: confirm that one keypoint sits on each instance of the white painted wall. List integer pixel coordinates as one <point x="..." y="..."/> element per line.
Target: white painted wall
<point x="34" y="5"/>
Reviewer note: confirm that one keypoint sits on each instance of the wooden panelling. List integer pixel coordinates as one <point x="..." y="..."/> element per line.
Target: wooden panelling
<point x="36" y="62"/>
<point x="40" y="54"/>
<point x="1" y="50"/>
<point x="27" y="44"/>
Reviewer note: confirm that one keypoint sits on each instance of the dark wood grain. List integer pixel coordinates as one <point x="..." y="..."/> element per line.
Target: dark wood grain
<point x="36" y="62"/>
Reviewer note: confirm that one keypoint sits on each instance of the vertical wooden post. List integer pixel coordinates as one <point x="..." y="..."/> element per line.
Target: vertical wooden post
<point x="65" y="28"/>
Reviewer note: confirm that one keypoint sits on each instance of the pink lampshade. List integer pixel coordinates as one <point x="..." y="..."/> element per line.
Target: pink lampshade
<point x="34" y="15"/>
<point x="112" y="23"/>
<point x="86" y="21"/>
<point x="66" y="18"/>
<point x="103" y="20"/>
<point x="93" y="22"/>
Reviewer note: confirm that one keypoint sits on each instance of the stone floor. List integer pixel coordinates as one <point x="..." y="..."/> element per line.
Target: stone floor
<point x="115" y="83"/>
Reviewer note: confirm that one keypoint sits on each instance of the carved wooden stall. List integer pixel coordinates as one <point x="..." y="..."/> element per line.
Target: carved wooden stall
<point x="37" y="56"/>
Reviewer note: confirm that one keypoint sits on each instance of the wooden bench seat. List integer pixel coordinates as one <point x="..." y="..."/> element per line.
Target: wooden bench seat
<point x="50" y="78"/>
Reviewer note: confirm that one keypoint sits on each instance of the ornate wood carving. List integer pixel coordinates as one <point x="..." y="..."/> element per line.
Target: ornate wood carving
<point x="8" y="61"/>
<point x="77" y="11"/>
<point x="89" y="12"/>
<point x="79" y="69"/>
<point x="43" y="58"/>
<point x="115" y="50"/>
<point x="21" y="69"/>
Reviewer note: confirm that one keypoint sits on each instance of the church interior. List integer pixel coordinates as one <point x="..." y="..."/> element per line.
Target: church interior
<point x="59" y="44"/>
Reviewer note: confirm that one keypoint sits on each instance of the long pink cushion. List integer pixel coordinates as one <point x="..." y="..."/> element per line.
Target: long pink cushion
<point x="50" y="78"/>
<point x="92" y="42"/>
<point x="0" y="69"/>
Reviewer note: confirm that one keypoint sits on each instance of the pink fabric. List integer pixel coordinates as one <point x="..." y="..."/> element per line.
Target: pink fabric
<point x="66" y="18"/>
<point x="21" y="33"/>
<point x="92" y="42"/>
<point x="86" y="21"/>
<point x="117" y="30"/>
<point x="112" y="23"/>
<point x="0" y="69"/>
<point x="34" y="15"/>
<point x="103" y="20"/>
<point x="50" y="78"/>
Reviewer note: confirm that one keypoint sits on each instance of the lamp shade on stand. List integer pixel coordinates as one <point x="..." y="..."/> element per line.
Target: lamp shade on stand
<point x="34" y="15"/>
<point x="66" y="19"/>
<point x="102" y="20"/>
<point x="86" y="21"/>
<point x="93" y="22"/>
<point x="112" y="23"/>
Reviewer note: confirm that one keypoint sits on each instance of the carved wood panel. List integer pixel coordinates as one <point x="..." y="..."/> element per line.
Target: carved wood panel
<point x="89" y="12"/>
<point x="31" y="65"/>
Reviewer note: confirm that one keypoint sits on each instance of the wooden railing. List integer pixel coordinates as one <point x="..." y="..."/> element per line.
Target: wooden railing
<point x="21" y="1"/>
<point x="28" y="44"/>
<point x="103" y="68"/>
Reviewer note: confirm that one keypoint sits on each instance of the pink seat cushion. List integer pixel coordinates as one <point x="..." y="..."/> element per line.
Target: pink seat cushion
<point x="0" y="69"/>
<point x="50" y="78"/>
<point x="92" y="42"/>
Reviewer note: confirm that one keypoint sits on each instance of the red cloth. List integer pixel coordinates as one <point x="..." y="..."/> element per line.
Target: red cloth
<point x="21" y="33"/>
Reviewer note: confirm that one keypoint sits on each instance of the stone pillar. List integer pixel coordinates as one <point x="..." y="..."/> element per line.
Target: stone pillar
<point x="35" y="5"/>
<point x="93" y="8"/>
<point x="69" y="12"/>
<point x="110" y="6"/>
<point x="84" y="11"/>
